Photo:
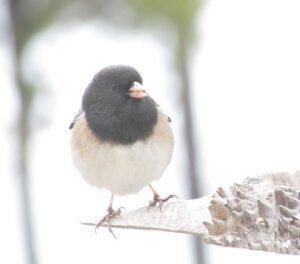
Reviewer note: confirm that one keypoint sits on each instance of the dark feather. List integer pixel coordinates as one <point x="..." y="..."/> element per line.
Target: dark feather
<point x="111" y="113"/>
<point x="75" y="119"/>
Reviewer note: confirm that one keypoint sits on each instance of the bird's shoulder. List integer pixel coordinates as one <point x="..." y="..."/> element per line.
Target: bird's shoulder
<point x="163" y="113"/>
<point x="80" y="127"/>
<point x="75" y="118"/>
<point x="82" y="135"/>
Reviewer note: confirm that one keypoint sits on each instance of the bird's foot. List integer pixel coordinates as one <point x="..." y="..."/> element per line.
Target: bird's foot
<point x="111" y="213"/>
<point x="158" y="201"/>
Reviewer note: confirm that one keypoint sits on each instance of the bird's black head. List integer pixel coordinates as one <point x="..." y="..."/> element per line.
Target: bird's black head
<point x="117" y="108"/>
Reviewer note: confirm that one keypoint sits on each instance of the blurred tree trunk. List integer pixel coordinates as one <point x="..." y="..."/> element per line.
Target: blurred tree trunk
<point x="25" y="101"/>
<point x="194" y="190"/>
<point x="183" y="62"/>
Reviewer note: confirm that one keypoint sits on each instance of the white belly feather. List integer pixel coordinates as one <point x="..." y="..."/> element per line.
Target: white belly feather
<point x="122" y="169"/>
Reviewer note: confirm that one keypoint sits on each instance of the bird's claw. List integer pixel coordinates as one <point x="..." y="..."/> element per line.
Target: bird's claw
<point x="111" y="213"/>
<point x="157" y="201"/>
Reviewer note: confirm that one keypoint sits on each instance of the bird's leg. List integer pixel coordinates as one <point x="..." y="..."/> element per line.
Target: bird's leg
<point x="157" y="200"/>
<point x="111" y="213"/>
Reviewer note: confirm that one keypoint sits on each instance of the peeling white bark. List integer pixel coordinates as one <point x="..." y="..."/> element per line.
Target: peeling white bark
<point x="262" y="213"/>
<point x="177" y="216"/>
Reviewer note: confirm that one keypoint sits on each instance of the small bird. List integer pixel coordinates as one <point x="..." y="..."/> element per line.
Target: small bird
<point x="121" y="140"/>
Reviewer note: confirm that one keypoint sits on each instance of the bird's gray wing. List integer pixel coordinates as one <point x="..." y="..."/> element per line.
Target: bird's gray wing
<point x="75" y="118"/>
<point x="163" y="112"/>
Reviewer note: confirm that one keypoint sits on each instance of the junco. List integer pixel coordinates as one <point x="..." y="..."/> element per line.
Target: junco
<point x="121" y="140"/>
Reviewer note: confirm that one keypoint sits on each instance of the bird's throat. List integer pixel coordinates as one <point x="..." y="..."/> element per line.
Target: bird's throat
<point x="129" y="123"/>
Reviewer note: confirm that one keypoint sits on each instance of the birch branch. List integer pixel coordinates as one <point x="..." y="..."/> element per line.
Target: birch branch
<point x="262" y="213"/>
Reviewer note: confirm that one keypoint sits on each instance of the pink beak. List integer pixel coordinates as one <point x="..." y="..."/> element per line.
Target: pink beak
<point x="137" y="91"/>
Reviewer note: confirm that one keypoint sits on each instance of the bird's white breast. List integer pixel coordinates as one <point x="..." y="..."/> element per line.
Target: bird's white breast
<point x="121" y="169"/>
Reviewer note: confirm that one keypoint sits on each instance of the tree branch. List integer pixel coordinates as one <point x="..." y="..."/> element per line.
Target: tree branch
<point x="262" y="213"/>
